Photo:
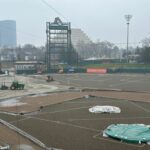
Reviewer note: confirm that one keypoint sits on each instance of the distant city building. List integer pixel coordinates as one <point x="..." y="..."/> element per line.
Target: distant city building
<point x="8" y="33"/>
<point x="79" y="36"/>
<point x="81" y="42"/>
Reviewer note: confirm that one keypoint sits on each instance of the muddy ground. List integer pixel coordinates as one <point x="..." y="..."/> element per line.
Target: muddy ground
<point x="70" y="126"/>
<point x="62" y="120"/>
<point x="34" y="103"/>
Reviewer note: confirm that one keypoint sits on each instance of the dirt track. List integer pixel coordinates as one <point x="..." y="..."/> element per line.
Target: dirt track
<point x="33" y="103"/>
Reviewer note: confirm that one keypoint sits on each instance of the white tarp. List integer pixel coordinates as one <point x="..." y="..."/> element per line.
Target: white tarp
<point x="104" y="109"/>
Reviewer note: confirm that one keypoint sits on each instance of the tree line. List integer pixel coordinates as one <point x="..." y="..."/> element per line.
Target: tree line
<point x="81" y="51"/>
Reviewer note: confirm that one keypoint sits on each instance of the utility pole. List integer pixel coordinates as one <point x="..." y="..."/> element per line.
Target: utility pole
<point x="128" y="18"/>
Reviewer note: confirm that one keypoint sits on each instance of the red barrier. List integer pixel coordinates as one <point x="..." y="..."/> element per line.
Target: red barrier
<point x="97" y="70"/>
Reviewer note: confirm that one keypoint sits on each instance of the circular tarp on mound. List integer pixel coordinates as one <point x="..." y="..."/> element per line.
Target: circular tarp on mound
<point x="104" y="109"/>
<point x="130" y="133"/>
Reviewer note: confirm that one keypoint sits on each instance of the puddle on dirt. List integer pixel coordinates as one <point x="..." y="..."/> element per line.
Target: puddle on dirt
<point x="37" y="95"/>
<point x="11" y="103"/>
<point x="25" y="147"/>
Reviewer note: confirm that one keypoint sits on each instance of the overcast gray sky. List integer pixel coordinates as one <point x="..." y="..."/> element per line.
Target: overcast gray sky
<point x="100" y="19"/>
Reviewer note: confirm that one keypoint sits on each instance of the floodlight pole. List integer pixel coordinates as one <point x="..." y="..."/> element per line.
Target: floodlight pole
<point x="128" y="18"/>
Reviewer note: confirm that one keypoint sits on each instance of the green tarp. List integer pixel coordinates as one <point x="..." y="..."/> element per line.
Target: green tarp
<point x="131" y="133"/>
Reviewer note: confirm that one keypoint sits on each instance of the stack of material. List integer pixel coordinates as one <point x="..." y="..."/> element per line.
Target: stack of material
<point x="104" y="109"/>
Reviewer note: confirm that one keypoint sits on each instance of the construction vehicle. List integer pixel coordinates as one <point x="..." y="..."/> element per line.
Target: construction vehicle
<point x="3" y="86"/>
<point x="16" y="86"/>
<point x="49" y="78"/>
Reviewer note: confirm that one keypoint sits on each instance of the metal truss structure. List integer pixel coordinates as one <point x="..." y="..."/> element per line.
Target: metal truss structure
<point x="58" y="43"/>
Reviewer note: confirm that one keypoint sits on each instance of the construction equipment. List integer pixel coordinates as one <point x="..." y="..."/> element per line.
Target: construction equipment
<point x="16" y="86"/>
<point x="49" y="78"/>
<point x="3" y="86"/>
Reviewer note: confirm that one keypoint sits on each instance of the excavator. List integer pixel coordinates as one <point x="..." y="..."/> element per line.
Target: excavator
<point x="49" y="78"/>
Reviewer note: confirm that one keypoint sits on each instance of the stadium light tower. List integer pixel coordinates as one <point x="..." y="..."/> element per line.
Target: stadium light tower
<point x="128" y="18"/>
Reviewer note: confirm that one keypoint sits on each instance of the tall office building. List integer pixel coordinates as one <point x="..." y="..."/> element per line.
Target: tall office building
<point x="8" y="33"/>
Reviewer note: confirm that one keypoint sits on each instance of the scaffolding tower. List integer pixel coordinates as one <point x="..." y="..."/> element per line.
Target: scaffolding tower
<point x="58" y="43"/>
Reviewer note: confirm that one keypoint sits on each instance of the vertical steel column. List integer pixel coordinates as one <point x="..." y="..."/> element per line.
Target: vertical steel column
<point x="127" y="42"/>
<point x="48" y="50"/>
<point x="128" y="18"/>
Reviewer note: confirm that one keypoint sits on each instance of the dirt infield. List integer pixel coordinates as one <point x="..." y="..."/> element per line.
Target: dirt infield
<point x="33" y="103"/>
<point x="70" y="126"/>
